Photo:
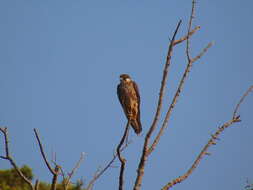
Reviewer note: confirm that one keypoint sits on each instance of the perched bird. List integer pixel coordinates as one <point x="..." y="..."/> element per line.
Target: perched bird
<point x="129" y="98"/>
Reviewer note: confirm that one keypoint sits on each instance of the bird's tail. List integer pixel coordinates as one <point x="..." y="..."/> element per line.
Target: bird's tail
<point x="136" y="126"/>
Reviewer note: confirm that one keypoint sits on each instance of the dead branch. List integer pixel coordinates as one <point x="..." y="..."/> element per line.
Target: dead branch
<point x="185" y="37"/>
<point x="11" y="160"/>
<point x="99" y="173"/>
<point x="202" y="52"/>
<point x="36" y="186"/>
<point x="66" y="180"/>
<point x="180" y="86"/>
<point x="121" y="158"/>
<point x="55" y="172"/>
<point x="189" y="29"/>
<point x="212" y="141"/>
<point x="43" y="153"/>
<point x="241" y="100"/>
<point x="55" y="177"/>
<point x="140" y="170"/>
<point x="174" y="101"/>
<point x="147" y="150"/>
<point x="204" y="152"/>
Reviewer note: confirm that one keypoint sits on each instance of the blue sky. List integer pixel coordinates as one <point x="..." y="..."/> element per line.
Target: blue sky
<point x="59" y="67"/>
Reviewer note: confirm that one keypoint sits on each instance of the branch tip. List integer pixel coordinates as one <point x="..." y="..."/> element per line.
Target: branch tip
<point x="121" y="158"/>
<point x="43" y="153"/>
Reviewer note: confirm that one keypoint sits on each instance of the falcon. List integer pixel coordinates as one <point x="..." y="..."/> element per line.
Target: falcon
<point x="129" y="98"/>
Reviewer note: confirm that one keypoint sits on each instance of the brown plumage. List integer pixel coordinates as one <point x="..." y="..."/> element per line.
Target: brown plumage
<point x="129" y="98"/>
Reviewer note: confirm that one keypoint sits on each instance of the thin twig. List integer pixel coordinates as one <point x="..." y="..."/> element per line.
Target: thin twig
<point x="5" y="132"/>
<point x="212" y="141"/>
<point x="185" y="37"/>
<point x="189" y="29"/>
<point x="55" y="172"/>
<point x="241" y="100"/>
<point x="70" y="175"/>
<point x="163" y="83"/>
<point x="121" y="158"/>
<point x="43" y="154"/>
<point x="99" y="173"/>
<point x="140" y="170"/>
<point x="172" y="105"/>
<point x="180" y="86"/>
<point x="204" y="152"/>
<point x="11" y="160"/>
<point x="202" y="52"/>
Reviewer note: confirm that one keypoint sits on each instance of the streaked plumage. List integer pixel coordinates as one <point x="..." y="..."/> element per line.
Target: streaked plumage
<point x="129" y="98"/>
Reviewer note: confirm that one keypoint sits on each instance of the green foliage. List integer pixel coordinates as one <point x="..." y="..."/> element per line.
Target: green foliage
<point x="60" y="186"/>
<point x="10" y="180"/>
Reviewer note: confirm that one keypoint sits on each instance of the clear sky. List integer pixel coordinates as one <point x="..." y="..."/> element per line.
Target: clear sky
<point x="60" y="64"/>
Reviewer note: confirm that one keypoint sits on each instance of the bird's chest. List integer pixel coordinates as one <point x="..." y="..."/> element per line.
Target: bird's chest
<point x="129" y="90"/>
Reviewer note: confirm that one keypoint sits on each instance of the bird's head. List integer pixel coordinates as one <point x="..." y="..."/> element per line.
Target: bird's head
<point x="125" y="78"/>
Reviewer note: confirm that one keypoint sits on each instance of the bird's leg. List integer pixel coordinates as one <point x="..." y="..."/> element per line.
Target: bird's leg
<point x="127" y="134"/>
<point x="129" y="117"/>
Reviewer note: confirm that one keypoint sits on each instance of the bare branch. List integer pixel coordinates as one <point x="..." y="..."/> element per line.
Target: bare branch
<point x="11" y="160"/>
<point x="202" y="52"/>
<point x="37" y="183"/>
<point x="172" y="105"/>
<point x="5" y="133"/>
<point x="241" y="100"/>
<point x="42" y="153"/>
<point x="70" y="175"/>
<point x="55" y="177"/>
<point x="189" y="29"/>
<point x="185" y="37"/>
<point x="204" y="152"/>
<point x="99" y="173"/>
<point x="55" y="172"/>
<point x="180" y="86"/>
<point x="76" y="166"/>
<point x="121" y="158"/>
<point x="140" y="170"/>
<point x="163" y="83"/>
<point x="212" y="141"/>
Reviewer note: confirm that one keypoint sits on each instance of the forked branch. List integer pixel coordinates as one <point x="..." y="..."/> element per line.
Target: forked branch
<point x="43" y="153"/>
<point x="56" y="171"/>
<point x="241" y="100"/>
<point x="212" y="141"/>
<point x="121" y="158"/>
<point x="175" y="99"/>
<point x="187" y="36"/>
<point x="66" y="180"/>
<point x="100" y="172"/>
<point x="11" y="160"/>
<point x="55" y="177"/>
<point x="147" y="150"/>
<point x="189" y="29"/>
<point x="182" y="81"/>
<point x="140" y="170"/>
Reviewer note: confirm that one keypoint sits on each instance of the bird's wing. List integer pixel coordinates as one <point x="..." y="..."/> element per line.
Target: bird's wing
<point x="139" y="101"/>
<point x="120" y="95"/>
<point x="137" y="92"/>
